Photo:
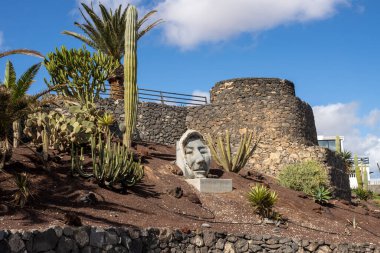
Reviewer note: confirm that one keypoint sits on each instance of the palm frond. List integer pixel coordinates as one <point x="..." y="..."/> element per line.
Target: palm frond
<point x="81" y="37"/>
<point x="24" y="82"/>
<point x="145" y="18"/>
<point x="149" y="27"/>
<point x="10" y="75"/>
<point x="22" y="51"/>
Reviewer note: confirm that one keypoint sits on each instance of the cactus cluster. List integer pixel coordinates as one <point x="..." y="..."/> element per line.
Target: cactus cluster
<point x="113" y="164"/>
<point x="38" y="127"/>
<point x="60" y="130"/>
<point x="221" y="151"/>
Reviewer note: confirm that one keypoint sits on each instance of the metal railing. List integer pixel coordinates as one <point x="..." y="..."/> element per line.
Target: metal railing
<point x="164" y="97"/>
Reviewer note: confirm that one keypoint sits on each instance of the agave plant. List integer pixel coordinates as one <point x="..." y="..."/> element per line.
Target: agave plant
<point x="263" y="200"/>
<point x="223" y="156"/>
<point x="23" y="193"/>
<point x="322" y="195"/>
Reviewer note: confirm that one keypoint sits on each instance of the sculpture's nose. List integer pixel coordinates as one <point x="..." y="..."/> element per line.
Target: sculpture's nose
<point x="199" y="157"/>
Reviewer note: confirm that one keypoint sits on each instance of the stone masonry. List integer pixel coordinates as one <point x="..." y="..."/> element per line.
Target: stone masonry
<point x="285" y="123"/>
<point x="152" y="240"/>
<point x="267" y="106"/>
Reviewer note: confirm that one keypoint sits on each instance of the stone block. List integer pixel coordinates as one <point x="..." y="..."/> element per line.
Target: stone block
<point x="208" y="185"/>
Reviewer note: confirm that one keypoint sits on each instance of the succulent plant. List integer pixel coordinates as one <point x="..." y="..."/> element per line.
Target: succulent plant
<point x="223" y="156"/>
<point x="130" y="74"/>
<point x="114" y="164"/>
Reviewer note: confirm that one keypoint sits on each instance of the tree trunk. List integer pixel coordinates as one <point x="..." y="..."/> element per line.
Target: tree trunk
<point x="116" y="83"/>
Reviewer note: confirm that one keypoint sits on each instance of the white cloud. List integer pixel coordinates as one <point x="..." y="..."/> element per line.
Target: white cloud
<point x="344" y="119"/>
<point x="203" y="94"/>
<point x="192" y="22"/>
<point x="1" y="39"/>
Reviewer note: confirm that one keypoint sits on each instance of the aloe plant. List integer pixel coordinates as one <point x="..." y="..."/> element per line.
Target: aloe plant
<point x="130" y="75"/>
<point x="263" y="200"/>
<point x="221" y="151"/>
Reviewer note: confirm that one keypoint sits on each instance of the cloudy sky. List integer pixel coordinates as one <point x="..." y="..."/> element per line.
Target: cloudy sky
<point x="330" y="49"/>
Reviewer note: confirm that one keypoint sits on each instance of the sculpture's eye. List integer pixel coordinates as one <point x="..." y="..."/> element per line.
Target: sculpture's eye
<point x="203" y="150"/>
<point x="188" y="151"/>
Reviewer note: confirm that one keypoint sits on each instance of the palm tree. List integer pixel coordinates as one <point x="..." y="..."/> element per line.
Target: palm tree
<point x="12" y="109"/>
<point x="106" y="33"/>
<point x="22" y="51"/>
<point x="17" y="90"/>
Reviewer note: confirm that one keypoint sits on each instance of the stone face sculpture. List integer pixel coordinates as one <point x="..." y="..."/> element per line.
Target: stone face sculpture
<point x="193" y="155"/>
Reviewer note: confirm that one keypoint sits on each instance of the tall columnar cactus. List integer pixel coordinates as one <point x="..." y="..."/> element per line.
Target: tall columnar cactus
<point x="365" y="178"/>
<point x="358" y="172"/>
<point x="130" y="75"/>
<point x="338" y="148"/>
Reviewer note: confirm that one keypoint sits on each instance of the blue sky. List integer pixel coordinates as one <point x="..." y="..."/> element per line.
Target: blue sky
<point x="330" y="49"/>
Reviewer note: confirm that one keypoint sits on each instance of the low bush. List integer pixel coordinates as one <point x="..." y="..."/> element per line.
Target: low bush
<point x="305" y="176"/>
<point x="363" y="194"/>
<point x="263" y="200"/>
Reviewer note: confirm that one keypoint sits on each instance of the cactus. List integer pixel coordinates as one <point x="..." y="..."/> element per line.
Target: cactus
<point x="221" y="152"/>
<point x="16" y="132"/>
<point x="45" y="145"/>
<point x="358" y="172"/>
<point x="130" y="75"/>
<point x="77" y="160"/>
<point x="365" y="179"/>
<point x="338" y="148"/>
<point x="113" y="164"/>
<point x="83" y="72"/>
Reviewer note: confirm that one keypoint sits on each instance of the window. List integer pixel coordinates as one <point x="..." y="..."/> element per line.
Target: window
<point x="330" y="144"/>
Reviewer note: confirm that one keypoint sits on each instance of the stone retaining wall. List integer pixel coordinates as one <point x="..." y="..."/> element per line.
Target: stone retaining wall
<point x="92" y="239"/>
<point x="157" y="123"/>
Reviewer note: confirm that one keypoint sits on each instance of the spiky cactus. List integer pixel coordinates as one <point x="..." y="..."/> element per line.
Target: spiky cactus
<point x="358" y="172"/>
<point x="130" y="75"/>
<point x="365" y="178"/>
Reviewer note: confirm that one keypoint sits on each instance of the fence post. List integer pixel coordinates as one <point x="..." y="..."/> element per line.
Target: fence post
<point x="162" y="98"/>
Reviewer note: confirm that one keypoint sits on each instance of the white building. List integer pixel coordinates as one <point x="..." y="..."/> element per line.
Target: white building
<point x="330" y="143"/>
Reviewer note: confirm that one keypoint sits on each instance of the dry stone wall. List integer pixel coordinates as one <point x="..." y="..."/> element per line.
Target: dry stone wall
<point x="285" y="123"/>
<point x="93" y="239"/>
<point x="157" y="123"/>
<point x="268" y="106"/>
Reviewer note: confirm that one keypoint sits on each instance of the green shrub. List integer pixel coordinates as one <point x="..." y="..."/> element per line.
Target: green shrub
<point x="304" y="176"/>
<point x="363" y="194"/>
<point x="263" y="200"/>
<point x="322" y="195"/>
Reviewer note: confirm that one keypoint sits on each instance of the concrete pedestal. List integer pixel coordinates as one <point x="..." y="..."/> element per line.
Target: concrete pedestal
<point x="209" y="185"/>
